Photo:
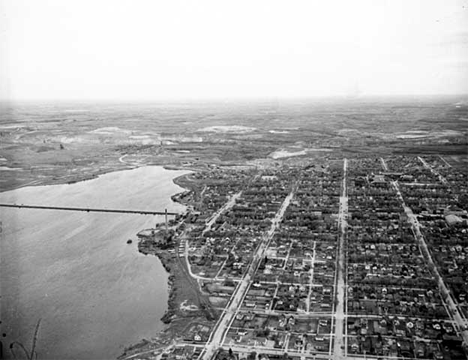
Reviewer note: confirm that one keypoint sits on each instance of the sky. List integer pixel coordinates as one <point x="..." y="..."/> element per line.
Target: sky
<point x="185" y="49"/>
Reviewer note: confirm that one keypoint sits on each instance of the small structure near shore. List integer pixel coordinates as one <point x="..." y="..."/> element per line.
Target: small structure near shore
<point x="160" y="236"/>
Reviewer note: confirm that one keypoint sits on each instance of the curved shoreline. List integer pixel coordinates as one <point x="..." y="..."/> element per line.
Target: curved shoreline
<point x="171" y="313"/>
<point x="155" y="185"/>
<point x="177" y="319"/>
<point x="94" y="175"/>
<point x="167" y="257"/>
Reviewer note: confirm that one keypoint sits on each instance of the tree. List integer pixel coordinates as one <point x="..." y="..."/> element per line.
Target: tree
<point x="252" y="356"/>
<point x="29" y="355"/>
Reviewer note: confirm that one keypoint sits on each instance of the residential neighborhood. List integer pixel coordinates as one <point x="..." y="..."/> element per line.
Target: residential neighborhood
<point x="344" y="258"/>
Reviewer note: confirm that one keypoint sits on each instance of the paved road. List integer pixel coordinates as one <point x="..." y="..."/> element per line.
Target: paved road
<point x="237" y="297"/>
<point x="229" y="204"/>
<point x="223" y="209"/>
<point x="311" y="280"/>
<point x="384" y="164"/>
<point x="450" y="303"/>
<point x="427" y="166"/>
<point x="340" y="283"/>
<point x="445" y="161"/>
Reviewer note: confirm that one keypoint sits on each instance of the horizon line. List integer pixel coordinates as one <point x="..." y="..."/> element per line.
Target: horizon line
<point x="226" y="99"/>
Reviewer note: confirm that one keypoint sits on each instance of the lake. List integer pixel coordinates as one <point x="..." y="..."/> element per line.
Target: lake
<point x="95" y="293"/>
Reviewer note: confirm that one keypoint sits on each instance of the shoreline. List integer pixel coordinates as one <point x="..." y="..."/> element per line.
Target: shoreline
<point x="175" y="320"/>
<point x="94" y="175"/>
<point x="181" y="291"/>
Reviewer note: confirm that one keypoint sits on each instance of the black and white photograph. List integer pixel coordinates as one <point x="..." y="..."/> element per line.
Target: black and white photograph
<point x="233" y="180"/>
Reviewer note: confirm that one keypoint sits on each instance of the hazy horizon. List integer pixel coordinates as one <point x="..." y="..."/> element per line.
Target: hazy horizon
<point x="170" y="50"/>
<point x="330" y="98"/>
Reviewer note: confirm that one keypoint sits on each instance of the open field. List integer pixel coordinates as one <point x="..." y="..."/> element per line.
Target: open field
<point x="58" y="143"/>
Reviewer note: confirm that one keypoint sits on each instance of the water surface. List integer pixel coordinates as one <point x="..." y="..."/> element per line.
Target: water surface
<point x="94" y="292"/>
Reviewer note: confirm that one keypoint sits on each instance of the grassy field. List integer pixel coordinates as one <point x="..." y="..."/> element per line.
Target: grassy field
<point x="59" y="143"/>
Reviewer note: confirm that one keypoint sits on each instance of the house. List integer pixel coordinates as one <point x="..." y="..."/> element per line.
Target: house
<point x="420" y="349"/>
<point x="292" y="321"/>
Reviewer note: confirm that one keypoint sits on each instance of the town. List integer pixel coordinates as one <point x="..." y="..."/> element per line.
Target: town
<point x="331" y="259"/>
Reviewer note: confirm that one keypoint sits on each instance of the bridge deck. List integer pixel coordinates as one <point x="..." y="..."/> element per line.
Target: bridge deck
<point x="122" y="211"/>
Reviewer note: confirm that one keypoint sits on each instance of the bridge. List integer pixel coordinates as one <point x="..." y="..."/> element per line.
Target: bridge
<point x="121" y="211"/>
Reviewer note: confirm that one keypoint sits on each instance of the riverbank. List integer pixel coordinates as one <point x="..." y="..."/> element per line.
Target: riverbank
<point x="85" y="280"/>
<point x="177" y="318"/>
<point x="184" y="302"/>
<point x="26" y="177"/>
<point x="187" y="305"/>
